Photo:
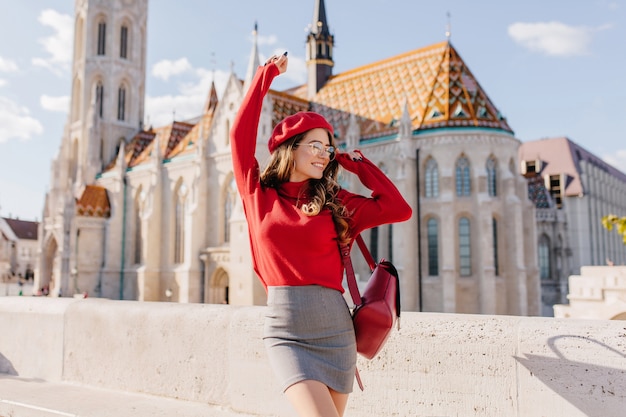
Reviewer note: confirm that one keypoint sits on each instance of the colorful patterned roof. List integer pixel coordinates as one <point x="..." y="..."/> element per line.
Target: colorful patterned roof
<point x="285" y="104"/>
<point x="435" y="82"/>
<point x="538" y="193"/>
<point x="94" y="202"/>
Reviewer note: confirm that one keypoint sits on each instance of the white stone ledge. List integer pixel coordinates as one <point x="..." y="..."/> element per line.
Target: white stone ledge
<point x="436" y="365"/>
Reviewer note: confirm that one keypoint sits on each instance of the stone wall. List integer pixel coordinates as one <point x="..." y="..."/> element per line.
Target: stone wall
<point x="436" y="365"/>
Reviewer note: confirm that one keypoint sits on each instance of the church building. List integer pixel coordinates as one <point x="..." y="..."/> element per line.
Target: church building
<point x="153" y="214"/>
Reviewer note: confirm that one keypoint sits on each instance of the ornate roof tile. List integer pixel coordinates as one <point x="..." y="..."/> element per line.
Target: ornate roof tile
<point x="435" y="82"/>
<point x="94" y="202"/>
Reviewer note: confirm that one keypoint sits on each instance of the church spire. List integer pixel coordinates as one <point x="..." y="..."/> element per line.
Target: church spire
<point x="319" y="55"/>
<point x="254" y="62"/>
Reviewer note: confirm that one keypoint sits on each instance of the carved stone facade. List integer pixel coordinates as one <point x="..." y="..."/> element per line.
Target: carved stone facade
<point x="161" y="220"/>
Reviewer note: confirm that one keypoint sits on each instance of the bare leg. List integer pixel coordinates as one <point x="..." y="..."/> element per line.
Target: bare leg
<point x="314" y="399"/>
<point x="340" y="400"/>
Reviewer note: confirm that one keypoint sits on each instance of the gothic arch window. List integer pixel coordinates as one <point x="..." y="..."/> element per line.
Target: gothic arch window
<point x="512" y="167"/>
<point x="102" y="30"/>
<point x="494" y="232"/>
<point x="99" y="99"/>
<point x="374" y="242"/>
<point x="432" y="227"/>
<point x="431" y="179"/>
<point x="390" y="242"/>
<point x="544" y="257"/>
<point x="227" y="141"/>
<point x="121" y="103"/>
<point x="463" y="184"/>
<point x="465" y="254"/>
<point x="229" y="203"/>
<point x="138" y="229"/>
<point x="124" y="41"/>
<point x="180" y="197"/>
<point x="78" y="39"/>
<point x="76" y="99"/>
<point x="492" y="167"/>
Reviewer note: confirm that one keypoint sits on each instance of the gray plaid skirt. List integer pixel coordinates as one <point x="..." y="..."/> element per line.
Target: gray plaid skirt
<point x="309" y="334"/>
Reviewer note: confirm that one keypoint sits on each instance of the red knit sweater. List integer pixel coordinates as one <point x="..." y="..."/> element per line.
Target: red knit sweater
<point x="289" y="247"/>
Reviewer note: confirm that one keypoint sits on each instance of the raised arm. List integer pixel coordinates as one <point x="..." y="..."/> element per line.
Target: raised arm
<point x="243" y="134"/>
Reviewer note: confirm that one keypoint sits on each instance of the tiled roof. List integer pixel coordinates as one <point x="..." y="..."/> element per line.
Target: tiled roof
<point x="94" y="202"/>
<point x="538" y="193"/>
<point x="23" y="229"/>
<point x="285" y="104"/>
<point x="434" y="81"/>
<point x="137" y="150"/>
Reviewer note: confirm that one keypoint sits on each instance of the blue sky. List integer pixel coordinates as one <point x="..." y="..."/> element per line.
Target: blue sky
<point x="553" y="68"/>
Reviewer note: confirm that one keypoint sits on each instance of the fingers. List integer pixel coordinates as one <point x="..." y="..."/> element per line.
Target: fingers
<point x="277" y="59"/>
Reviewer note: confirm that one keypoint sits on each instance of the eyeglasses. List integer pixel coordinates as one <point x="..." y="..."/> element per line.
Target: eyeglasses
<point x="317" y="149"/>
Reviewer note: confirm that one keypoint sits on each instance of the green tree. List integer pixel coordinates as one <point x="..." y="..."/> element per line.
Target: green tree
<point x="611" y="221"/>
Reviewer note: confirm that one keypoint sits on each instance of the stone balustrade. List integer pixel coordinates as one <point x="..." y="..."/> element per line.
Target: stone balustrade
<point x="436" y="365"/>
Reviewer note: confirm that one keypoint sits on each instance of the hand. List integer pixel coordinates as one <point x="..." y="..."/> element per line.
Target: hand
<point x="354" y="155"/>
<point x="280" y="62"/>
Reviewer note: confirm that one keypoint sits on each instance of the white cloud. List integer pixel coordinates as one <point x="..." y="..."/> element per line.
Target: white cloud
<point x="165" y="69"/>
<point x="16" y="122"/>
<point x="267" y="40"/>
<point x="3" y="82"/>
<point x="189" y="100"/>
<point x="57" y="104"/>
<point x="6" y="65"/>
<point x="617" y="159"/>
<point x="59" y="45"/>
<point x="554" y="38"/>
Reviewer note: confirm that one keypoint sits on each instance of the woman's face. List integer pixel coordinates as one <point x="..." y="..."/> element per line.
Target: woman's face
<point x="309" y="162"/>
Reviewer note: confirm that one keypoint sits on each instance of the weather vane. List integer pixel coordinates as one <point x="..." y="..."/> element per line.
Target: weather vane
<point x="448" y="27"/>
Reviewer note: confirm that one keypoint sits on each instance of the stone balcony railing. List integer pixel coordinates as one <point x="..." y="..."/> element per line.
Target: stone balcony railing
<point x="599" y="292"/>
<point x="436" y="365"/>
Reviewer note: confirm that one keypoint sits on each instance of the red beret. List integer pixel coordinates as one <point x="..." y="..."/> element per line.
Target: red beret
<point x="295" y="124"/>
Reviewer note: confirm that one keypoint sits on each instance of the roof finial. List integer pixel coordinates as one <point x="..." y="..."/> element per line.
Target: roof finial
<point x="448" y="27"/>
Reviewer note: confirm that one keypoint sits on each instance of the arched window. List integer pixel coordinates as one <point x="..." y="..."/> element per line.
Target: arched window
<point x="99" y="99"/>
<point x="102" y="29"/>
<point x="465" y="254"/>
<point x="121" y="103"/>
<point x="227" y="141"/>
<point x="374" y="242"/>
<point x="179" y="225"/>
<point x="463" y="185"/>
<point x="491" y="176"/>
<point x="433" y="247"/>
<point x="229" y="204"/>
<point x="124" y="42"/>
<point x="432" y="179"/>
<point x="544" y="257"/>
<point x="494" y="230"/>
<point x="390" y="242"/>
<point x="137" y="221"/>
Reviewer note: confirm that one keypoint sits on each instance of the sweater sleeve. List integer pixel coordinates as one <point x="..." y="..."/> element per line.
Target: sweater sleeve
<point x="386" y="204"/>
<point x="244" y="131"/>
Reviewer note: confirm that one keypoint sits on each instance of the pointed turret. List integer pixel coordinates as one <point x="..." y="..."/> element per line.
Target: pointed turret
<point x="211" y="101"/>
<point x="319" y="55"/>
<point x="254" y="62"/>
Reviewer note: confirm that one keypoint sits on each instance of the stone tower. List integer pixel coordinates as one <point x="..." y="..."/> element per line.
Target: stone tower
<point x="106" y="111"/>
<point x="108" y="82"/>
<point x="319" y="50"/>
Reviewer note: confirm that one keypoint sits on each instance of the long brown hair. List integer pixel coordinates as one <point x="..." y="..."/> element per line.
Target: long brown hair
<point x="323" y="191"/>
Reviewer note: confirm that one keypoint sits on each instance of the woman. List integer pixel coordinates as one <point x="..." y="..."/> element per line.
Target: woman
<point x="297" y="215"/>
